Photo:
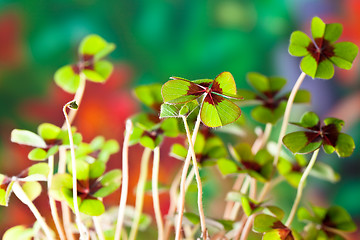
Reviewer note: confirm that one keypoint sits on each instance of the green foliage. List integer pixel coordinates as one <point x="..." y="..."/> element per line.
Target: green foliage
<point x="271" y="106"/>
<point x="18" y="232"/>
<point x="320" y="55"/>
<point x="216" y="109"/>
<point x="331" y="221"/>
<point x="292" y="170"/>
<point x="272" y="228"/>
<point x="258" y="166"/>
<point x="327" y="135"/>
<point x="92" y="183"/>
<point x="91" y="51"/>
<point x="208" y="149"/>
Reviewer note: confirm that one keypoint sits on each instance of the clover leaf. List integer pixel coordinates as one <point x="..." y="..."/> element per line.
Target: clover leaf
<point x="92" y="186"/>
<point x="18" y="232"/>
<point x="273" y="229"/>
<point x="258" y="166"/>
<point x="149" y="130"/>
<point x="28" y="179"/>
<point x="326" y="223"/>
<point x="293" y="170"/>
<point x="216" y="108"/>
<point x="46" y="142"/>
<point x="91" y="51"/>
<point x="208" y="148"/>
<point x="251" y="206"/>
<point x="320" y="54"/>
<point x="149" y="95"/>
<point x="327" y="135"/>
<point x="271" y="105"/>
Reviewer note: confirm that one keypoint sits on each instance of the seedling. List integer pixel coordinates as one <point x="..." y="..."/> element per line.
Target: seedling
<point x="174" y="109"/>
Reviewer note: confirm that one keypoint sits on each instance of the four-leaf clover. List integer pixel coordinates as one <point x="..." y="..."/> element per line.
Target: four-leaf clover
<point x="320" y="54"/>
<point x="216" y="108"/>
<point x="327" y="135"/>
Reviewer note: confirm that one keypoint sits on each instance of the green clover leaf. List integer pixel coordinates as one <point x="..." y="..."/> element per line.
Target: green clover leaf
<point x="208" y="149"/>
<point x="325" y="220"/>
<point x="271" y="105"/>
<point x="321" y="54"/>
<point x="216" y="108"/>
<point x="91" y="51"/>
<point x="327" y="135"/>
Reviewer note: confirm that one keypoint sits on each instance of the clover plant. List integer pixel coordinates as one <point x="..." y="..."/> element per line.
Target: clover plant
<point x="194" y="111"/>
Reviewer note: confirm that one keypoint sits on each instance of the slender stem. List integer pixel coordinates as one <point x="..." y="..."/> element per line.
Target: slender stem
<point x="81" y="226"/>
<point x="247" y="227"/>
<point x="237" y="205"/>
<point x="19" y="192"/>
<point x="258" y="144"/>
<point x="173" y="199"/>
<point x="52" y="202"/>
<point x="125" y="179"/>
<point x="78" y="97"/>
<point x="236" y="187"/>
<point x="140" y="191"/>
<point x="235" y="233"/>
<point x="301" y="187"/>
<point x="252" y="193"/>
<point x="287" y="115"/>
<point x="98" y="228"/>
<point x="155" y="193"/>
<point x="285" y="122"/>
<point x="181" y="203"/>
<point x="62" y="158"/>
<point x="262" y="140"/>
<point x="198" y="180"/>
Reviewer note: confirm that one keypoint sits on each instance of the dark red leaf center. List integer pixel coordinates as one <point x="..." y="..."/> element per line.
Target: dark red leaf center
<point x="321" y="50"/>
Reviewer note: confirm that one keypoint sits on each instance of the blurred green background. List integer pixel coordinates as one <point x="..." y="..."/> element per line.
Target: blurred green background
<point x="155" y="40"/>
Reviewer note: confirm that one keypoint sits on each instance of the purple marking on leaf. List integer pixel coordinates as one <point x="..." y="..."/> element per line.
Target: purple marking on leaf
<point x="278" y="225"/>
<point x="195" y="89"/>
<point x="296" y="168"/>
<point x="53" y="142"/>
<point x="322" y="50"/>
<point x="213" y="99"/>
<point x="216" y="88"/>
<point x="5" y="183"/>
<point x="313" y="137"/>
<point x="330" y="134"/>
<point x="76" y="69"/>
<point x="285" y="234"/>
<point x="253" y="206"/>
<point x="252" y="166"/>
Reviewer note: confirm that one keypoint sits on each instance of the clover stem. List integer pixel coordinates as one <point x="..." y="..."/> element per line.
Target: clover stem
<point x="155" y="193"/>
<point x="98" y="228"/>
<point x="19" y="192"/>
<point x="301" y="188"/>
<point x="77" y="98"/>
<point x="284" y="125"/>
<point x="140" y="191"/>
<point x="52" y="202"/>
<point x="258" y="144"/>
<point x="237" y="205"/>
<point x="66" y="216"/>
<point x="81" y="226"/>
<point x="181" y="203"/>
<point x="247" y="227"/>
<point x="236" y="187"/>
<point x="125" y="179"/>
<point x="287" y="115"/>
<point x="198" y="180"/>
<point x="262" y="139"/>
<point x="173" y="199"/>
